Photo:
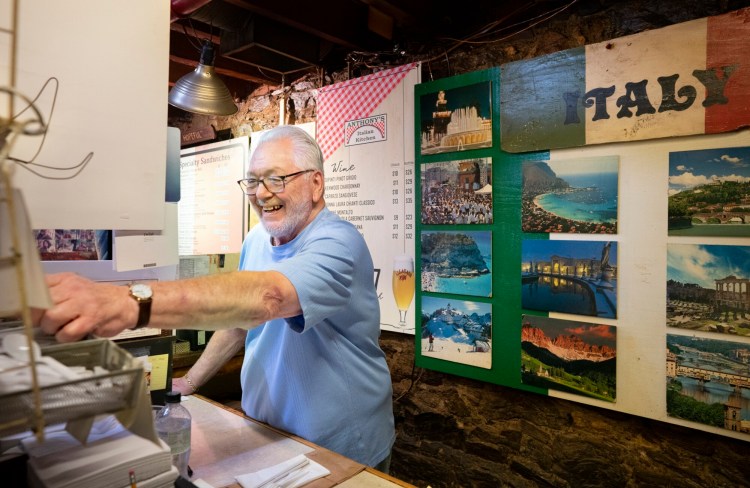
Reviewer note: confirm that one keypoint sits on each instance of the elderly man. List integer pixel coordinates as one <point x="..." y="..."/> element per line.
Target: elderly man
<point x="303" y="304"/>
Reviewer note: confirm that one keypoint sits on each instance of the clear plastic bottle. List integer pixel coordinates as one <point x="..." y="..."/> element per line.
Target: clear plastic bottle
<point x="173" y="427"/>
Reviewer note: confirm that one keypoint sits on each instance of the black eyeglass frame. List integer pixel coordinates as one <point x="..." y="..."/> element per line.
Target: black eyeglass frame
<point x="244" y="185"/>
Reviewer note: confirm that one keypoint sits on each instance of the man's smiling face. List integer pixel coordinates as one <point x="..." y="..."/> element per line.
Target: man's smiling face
<point x="286" y="213"/>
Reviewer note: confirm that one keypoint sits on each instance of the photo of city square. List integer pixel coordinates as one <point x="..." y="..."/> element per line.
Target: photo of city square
<point x="457" y="192"/>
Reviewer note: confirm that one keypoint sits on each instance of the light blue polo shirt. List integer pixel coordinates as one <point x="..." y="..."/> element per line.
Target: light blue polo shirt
<point x="321" y="375"/>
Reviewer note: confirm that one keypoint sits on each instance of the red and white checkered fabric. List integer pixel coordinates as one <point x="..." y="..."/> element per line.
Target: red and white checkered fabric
<point x="351" y="100"/>
<point x="378" y="124"/>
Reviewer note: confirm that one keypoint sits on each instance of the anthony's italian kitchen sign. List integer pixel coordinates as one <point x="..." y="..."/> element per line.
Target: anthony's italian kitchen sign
<point x="686" y="79"/>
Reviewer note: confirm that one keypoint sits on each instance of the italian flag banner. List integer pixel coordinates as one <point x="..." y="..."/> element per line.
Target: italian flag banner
<point x="686" y="79"/>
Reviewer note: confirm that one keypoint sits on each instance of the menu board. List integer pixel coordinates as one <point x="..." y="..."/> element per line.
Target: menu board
<point x="211" y="212"/>
<point x="366" y="131"/>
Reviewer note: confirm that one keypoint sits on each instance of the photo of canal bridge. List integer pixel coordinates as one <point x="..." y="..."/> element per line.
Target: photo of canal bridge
<point x="575" y="277"/>
<point x="708" y="381"/>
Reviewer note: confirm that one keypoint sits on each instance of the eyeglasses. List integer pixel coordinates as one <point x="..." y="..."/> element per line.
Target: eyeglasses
<point x="274" y="184"/>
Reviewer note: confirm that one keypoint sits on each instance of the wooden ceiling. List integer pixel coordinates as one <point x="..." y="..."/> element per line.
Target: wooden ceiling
<point x="265" y="42"/>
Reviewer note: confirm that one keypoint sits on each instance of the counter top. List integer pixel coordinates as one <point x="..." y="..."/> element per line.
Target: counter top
<point x="226" y="443"/>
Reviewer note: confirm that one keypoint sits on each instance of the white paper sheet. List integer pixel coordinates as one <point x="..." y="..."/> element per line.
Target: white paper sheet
<point x="37" y="294"/>
<point x="139" y="249"/>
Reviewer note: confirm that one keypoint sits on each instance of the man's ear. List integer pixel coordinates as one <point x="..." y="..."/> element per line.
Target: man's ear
<point x="318" y="186"/>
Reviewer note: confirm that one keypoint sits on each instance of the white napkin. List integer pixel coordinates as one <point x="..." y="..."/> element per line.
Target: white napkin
<point x="292" y="473"/>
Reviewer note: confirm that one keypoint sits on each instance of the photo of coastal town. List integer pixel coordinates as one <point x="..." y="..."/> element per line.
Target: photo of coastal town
<point x="575" y="277"/>
<point x="708" y="381"/>
<point x="708" y="288"/>
<point x="458" y="119"/>
<point x="456" y="330"/>
<point x="709" y="192"/>
<point x="576" y="196"/>
<point x="457" y="192"/>
<point x="570" y="356"/>
<point x="457" y="262"/>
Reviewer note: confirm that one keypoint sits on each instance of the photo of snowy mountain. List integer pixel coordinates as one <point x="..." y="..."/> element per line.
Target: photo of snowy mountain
<point x="457" y="331"/>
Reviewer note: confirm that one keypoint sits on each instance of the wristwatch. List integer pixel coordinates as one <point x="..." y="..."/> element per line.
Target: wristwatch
<point x="142" y="294"/>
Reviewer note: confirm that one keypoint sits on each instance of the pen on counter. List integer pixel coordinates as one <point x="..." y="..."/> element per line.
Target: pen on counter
<point x="132" y="479"/>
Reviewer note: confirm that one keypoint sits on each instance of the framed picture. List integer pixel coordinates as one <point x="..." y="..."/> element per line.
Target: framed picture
<point x="576" y="196"/>
<point x="458" y="331"/>
<point x="702" y="381"/>
<point x="576" y="277"/>
<point x="457" y="262"/>
<point x="708" y="288"/>
<point x="456" y="119"/>
<point x="570" y="356"/>
<point x="457" y="192"/>
<point x="709" y="192"/>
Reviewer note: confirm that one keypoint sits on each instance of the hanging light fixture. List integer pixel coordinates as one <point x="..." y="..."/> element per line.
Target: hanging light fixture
<point x="201" y="91"/>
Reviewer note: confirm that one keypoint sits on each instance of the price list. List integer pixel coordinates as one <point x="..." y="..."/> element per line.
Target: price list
<point x="358" y="196"/>
<point x="210" y="208"/>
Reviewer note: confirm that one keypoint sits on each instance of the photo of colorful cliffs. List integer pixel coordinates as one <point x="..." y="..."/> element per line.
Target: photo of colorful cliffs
<point x="570" y="356"/>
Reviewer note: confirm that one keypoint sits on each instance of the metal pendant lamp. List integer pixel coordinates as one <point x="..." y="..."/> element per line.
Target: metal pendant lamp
<point x="201" y="91"/>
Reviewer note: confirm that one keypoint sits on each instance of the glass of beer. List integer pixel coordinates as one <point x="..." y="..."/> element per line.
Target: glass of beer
<point x="403" y="284"/>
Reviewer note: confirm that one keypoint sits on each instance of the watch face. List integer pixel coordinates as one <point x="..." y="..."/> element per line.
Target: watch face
<point x="141" y="291"/>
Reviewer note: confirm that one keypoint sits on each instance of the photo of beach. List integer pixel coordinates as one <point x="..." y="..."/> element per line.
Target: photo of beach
<point x="570" y="356"/>
<point x="457" y="330"/>
<point x="576" y="277"/>
<point x="708" y="288"/>
<point x="576" y="196"/>
<point x="458" y="262"/>
<point x="458" y="119"/>
<point x="457" y="192"/>
<point x="709" y="192"/>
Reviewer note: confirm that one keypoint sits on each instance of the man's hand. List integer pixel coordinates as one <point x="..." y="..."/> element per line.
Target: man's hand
<point x="179" y="384"/>
<point x="83" y="307"/>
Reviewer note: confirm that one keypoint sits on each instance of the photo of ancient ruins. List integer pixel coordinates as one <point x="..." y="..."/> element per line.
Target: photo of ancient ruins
<point x="708" y="288"/>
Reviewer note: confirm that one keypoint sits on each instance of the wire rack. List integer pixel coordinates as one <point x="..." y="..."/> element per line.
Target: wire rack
<point x="100" y="393"/>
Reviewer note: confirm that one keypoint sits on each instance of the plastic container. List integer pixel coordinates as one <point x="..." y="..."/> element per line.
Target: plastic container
<point x="172" y="424"/>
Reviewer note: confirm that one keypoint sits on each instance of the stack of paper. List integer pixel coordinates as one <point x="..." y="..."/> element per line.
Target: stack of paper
<point x="107" y="460"/>
<point x="292" y="473"/>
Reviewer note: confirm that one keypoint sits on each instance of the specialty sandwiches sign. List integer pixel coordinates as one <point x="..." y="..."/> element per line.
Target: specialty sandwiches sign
<point x="686" y="79"/>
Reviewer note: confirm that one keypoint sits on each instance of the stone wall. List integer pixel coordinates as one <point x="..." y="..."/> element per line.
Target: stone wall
<point x="455" y="432"/>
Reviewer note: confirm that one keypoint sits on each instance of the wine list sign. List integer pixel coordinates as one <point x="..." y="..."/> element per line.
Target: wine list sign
<point x="365" y="130"/>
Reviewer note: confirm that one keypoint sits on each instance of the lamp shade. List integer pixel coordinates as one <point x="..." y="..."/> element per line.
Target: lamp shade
<point x="201" y="91"/>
